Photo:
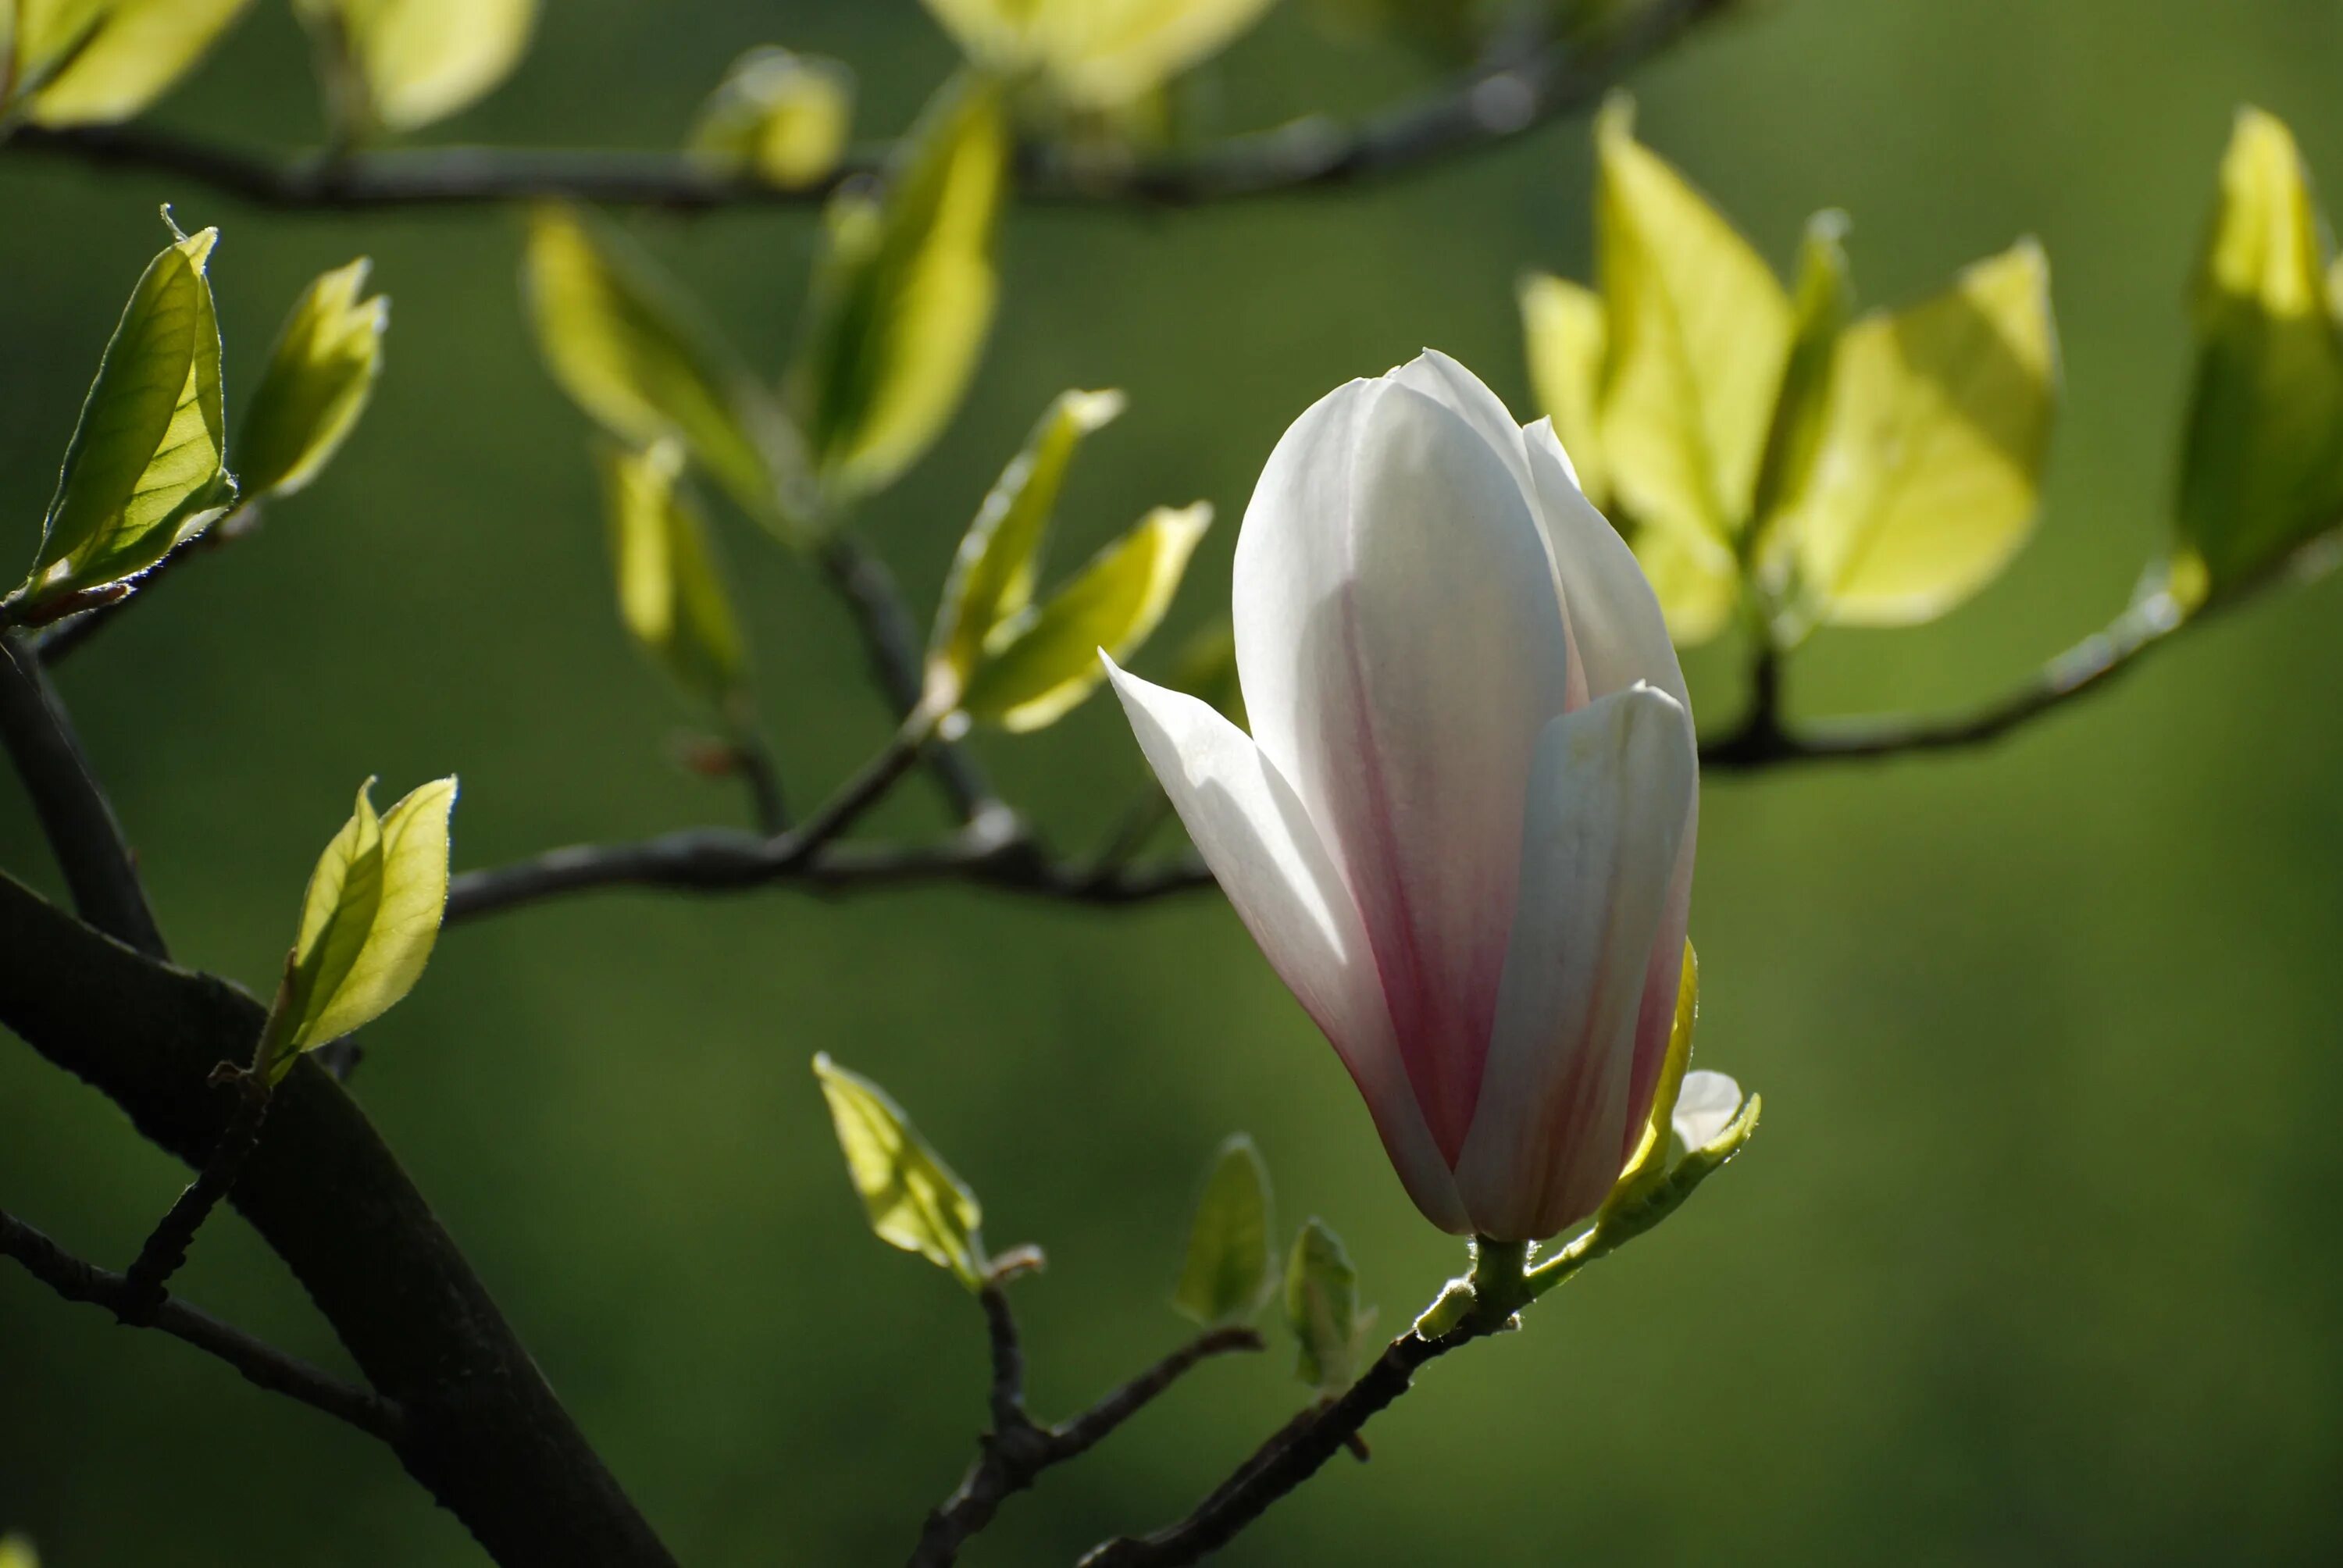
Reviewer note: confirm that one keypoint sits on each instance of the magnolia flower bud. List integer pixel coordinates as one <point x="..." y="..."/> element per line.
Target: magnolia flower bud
<point x="1461" y="830"/>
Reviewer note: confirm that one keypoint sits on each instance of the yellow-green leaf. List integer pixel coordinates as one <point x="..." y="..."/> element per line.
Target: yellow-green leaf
<point x="1564" y="333"/>
<point x="903" y="298"/>
<point x="777" y="116"/>
<point x="416" y="61"/>
<point x="913" y="1200"/>
<point x="99" y="61"/>
<point x="1698" y="331"/>
<point x="626" y="346"/>
<point x="670" y="593"/>
<point x="1823" y="301"/>
<point x="991" y="577"/>
<point x="1096" y="54"/>
<point x="316" y="383"/>
<point x="16" y="1552"/>
<point x="2262" y="466"/>
<point x="1321" y="1308"/>
<point x="1930" y="467"/>
<point x="1651" y="1152"/>
<point x="145" y="469"/>
<point x="1231" y="1264"/>
<point x="1040" y="664"/>
<point x="369" y="921"/>
<point x="1696" y="580"/>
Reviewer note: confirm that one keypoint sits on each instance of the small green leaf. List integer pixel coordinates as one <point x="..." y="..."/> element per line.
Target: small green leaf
<point x="1040" y="664"/>
<point x="16" y="1552"/>
<point x="99" y="61"/>
<point x="2262" y="467"/>
<point x="1564" y="333"/>
<point x="903" y="298"/>
<point x="1652" y="1152"/>
<point x="670" y="595"/>
<point x="1696" y="580"/>
<point x="914" y="1200"/>
<point x="145" y="470"/>
<point x="1321" y="1308"/>
<point x="1094" y="55"/>
<point x="1820" y="310"/>
<point x="1698" y="332"/>
<point x="992" y="578"/>
<point x="368" y="921"/>
<point x="1930" y="468"/>
<point x="319" y="377"/>
<point x="776" y="117"/>
<point x="630" y="351"/>
<point x="1205" y="667"/>
<point x="416" y="61"/>
<point x="1232" y="1265"/>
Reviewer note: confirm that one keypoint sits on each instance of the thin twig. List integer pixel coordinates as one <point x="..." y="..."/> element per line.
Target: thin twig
<point x="84" y="834"/>
<point x="166" y="1248"/>
<point x="1483" y="108"/>
<point x="753" y="760"/>
<point x="1013" y="1454"/>
<point x="260" y="1364"/>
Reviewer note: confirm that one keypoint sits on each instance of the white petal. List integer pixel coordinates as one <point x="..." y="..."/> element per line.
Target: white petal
<point x="1606" y="811"/>
<point x="1400" y="647"/>
<point x="1465" y="395"/>
<point x="1614" y="618"/>
<point x="1705" y="1107"/>
<point x="1253" y="831"/>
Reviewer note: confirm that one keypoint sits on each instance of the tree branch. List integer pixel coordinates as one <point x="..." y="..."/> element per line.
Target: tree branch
<point x="1014" y="1454"/>
<point x="99" y="868"/>
<point x="1480" y="109"/>
<point x="483" y="1430"/>
<point x="260" y="1364"/>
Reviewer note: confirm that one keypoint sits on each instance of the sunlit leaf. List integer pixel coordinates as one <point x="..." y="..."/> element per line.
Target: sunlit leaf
<point x="1038" y="666"/>
<point x="1652" y="1151"/>
<point x="1824" y="299"/>
<point x="992" y="575"/>
<point x="1232" y="1265"/>
<point x="777" y="116"/>
<point x="1097" y="53"/>
<point x="16" y="1552"/>
<point x="1698" y="331"/>
<point x="368" y="921"/>
<point x="631" y="352"/>
<point x="1321" y="1308"/>
<point x="1696" y="580"/>
<point x="416" y="61"/>
<point x="145" y="469"/>
<point x="670" y="595"/>
<point x="316" y="383"/>
<point x="914" y="1200"/>
<point x="98" y="61"/>
<point x="1563" y="332"/>
<point x="2262" y="466"/>
<point x="1930" y="468"/>
<point x="903" y="298"/>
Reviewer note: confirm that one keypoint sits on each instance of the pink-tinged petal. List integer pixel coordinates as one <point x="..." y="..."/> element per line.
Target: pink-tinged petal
<point x="1614" y="618"/>
<point x="1657" y="1016"/>
<point x="1606" y="811"/>
<point x="1252" y="832"/>
<point x="1400" y="647"/>
<point x="1705" y="1107"/>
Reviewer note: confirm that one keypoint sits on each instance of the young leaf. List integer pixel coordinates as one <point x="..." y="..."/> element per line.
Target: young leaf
<point x="1231" y="1263"/>
<point x="914" y="1200"/>
<point x="1040" y="665"/>
<point x="100" y="61"/>
<point x="416" y="61"/>
<point x="1931" y="459"/>
<point x="1321" y="1308"/>
<point x="1823" y="301"/>
<point x="319" y="377"/>
<point x="630" y="352"/>
<point x="145" y="469"/>
<point x="991" y="577"/>
<point x="1564" y="333"/>
<point x="17" y="1551"/>
<point x="1696" y="580"/>
<point x="1096" y="54"/>
<point x="670" y="595"/>
<point x="778" y="118"/>
<point x="2262" y="469"/>
<point x="1652" y="1151"/>
<point x="1698" y="332"/>
<point x="903" y="298"/>
<point x="369" y="922"/>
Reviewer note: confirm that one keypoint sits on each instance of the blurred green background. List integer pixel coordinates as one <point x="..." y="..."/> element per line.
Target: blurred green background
<point x="2032" y="1263"/>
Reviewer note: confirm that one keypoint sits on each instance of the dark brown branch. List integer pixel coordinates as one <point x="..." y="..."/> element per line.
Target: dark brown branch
<point x="484" y="1432"/>
<point x="166" y="1248"/>
<point x="1483" y="108"/>
<point x="1017" y="1450"/>
<point x="99" y="868"/>
<point x="260" y="1364"/>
